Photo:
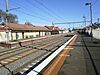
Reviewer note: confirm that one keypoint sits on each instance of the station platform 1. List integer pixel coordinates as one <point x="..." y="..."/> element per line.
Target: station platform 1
<point x="81" y="58"/>
<point x="84" y="58"/>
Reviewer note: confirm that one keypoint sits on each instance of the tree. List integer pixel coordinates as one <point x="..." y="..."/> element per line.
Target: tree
<point x="11" y="18"/>
<point x="0" y="15"/>
<point x="3" y="16"/>
<point x="28" y="23"/>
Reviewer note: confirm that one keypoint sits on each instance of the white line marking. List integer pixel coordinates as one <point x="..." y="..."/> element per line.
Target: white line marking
<point x="4" y="62"/>
<point x="29" y="66"/>
<point x="19" y="56"/>
<point x="37" y="61"/>
<point x="13" y="58"/>
<point x="33" y="63"/>
<point x="49" y="59"/>
<point x="8" y="60"/>
<point x="9" y="51"/>
<point x="0" y="65"/>
<point x="68" y="55"/>
<point x="22" y="72"/>
<point x="63" y="55"/>
<point x="25" y="69"/>
<point x="68" y="48"/>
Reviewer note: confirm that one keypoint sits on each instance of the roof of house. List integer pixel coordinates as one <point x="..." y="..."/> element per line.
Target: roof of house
<point x="14" y="26"/>
<point x="53" y="28"/>
<point x="2" y="28"/>
<point x="94" y="26"/>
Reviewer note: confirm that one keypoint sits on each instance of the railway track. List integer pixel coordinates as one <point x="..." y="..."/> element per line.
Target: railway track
<point x="20" y="59"/>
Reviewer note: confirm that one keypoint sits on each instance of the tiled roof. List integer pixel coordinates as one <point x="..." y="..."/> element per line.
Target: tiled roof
<point x="2" y="28"/>
<point x="40" y="28"/>
<point x="52" y="28"/>
<point x="94" y="26"/>
<point x="14" y="26"/>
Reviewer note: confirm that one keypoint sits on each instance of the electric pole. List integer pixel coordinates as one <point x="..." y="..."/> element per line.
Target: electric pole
<point x="6" y="2"/>
<point x="6" y="22"/>
<point x="90" y="4"/>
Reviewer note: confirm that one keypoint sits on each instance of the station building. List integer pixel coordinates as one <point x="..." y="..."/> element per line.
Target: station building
<point x="95" y="30"/>
<point x="3" y="36"/>
<point x="91" y="30"/>
<point x="14" y="32"/>
<point x="15" y="35"/>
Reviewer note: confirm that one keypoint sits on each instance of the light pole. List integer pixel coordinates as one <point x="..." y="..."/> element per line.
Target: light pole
<point x="90" y="10"/>
<point x="84" y="20"/>
<point x="90" y="4"/>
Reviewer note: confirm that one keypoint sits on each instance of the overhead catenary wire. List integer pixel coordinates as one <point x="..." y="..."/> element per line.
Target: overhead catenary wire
<point x="44" y="11"/>
<point x="51" y="11"/>
<point x="95" y="2"/>
<point x="34" y="16"/>
<point x="71" y="22"/>
<point x="21" y="6"/>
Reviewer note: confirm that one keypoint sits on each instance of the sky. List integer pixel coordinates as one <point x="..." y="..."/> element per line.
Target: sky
<point x="44" y="12"/>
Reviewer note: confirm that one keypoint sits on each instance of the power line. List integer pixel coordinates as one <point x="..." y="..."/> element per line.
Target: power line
<point x="47" y="8"/>
<point x="72" y="22"/>
<point x="29" y="10"/>
<point x="17" y="3"/>
<point x="41" y="9"/>
<point x="35" y="7"/>
<point x="32" y="15"/>
<point x="95" y="2"/>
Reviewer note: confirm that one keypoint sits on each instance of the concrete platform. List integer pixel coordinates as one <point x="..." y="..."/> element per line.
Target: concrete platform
<point x="24" y="42"/>
<point x="84" y="58"/>
<point x="18" y="43"/>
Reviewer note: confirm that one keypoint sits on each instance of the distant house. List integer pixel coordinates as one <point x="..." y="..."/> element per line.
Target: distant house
<point x="92" y="30"/>
<point x="95" y="30"/>
<point x="55" y="30"/>
<point x="23" y="31"/>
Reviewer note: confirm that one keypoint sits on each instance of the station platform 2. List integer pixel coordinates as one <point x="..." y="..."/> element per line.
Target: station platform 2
<point x="82" y="57"/>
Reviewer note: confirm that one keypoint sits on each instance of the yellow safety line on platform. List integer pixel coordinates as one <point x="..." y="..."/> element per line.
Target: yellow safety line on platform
<point x="55" y="66"/>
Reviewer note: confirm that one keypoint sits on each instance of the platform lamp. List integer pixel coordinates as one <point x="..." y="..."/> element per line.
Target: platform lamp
<point x="90" y="4"/>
